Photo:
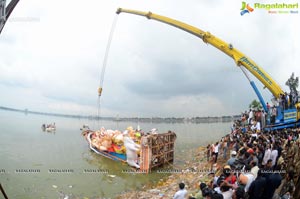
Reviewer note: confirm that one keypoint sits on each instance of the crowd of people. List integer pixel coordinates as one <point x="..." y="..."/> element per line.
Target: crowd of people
<point x="262" y="165"/>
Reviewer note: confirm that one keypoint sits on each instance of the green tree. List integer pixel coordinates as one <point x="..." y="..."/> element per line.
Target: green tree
<point x="293" y="83"/>
<point x="255" y="105"/>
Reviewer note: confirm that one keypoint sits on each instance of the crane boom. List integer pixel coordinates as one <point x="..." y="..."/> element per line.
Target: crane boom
<point x="207" y="37"/>
<point x="6" y="11"/>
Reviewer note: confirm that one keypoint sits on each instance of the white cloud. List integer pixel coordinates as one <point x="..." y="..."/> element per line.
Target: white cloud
<point x="54" y="59"/>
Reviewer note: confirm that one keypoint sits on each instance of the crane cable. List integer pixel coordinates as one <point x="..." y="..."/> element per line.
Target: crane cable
<point x="104" y="67"/>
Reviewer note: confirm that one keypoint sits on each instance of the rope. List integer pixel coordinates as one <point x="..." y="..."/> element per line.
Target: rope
<point x="104" y="67"/>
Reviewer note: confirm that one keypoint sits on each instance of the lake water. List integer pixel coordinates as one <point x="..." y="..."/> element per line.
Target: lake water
<point x="28" y="155"/>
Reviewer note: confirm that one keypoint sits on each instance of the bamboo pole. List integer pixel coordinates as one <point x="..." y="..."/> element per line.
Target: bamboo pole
<point x="3" y="192"/>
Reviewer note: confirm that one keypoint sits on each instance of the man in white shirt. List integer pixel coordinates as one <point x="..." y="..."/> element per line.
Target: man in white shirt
<point x="226" y="192"/>
<point x="267" y="155"/>
<point x="246" y="179"/>
<point x="181" y="194"/>
<point x="256" y="126"/>
<point x="274" y="154"/>
<point x="250" y="116"/>
<point x="216" y="151"/>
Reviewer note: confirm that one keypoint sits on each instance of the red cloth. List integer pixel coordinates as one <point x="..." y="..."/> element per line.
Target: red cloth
<point x="231" y="179"/>
<point x="111" y="149"/>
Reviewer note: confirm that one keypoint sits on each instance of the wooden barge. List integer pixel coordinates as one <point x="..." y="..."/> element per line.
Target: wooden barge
<point x="156" y="150"/>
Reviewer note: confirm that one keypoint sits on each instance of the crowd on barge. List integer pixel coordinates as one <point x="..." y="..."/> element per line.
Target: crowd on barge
<point x="262" y="165"/>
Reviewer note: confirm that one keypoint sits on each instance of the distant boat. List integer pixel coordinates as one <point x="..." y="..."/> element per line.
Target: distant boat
<point x="49" y="127"/>
<point x="85" y="127"/>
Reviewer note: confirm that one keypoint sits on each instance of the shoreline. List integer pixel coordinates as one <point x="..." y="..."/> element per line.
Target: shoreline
<point x="196" y="120"/>
<point x="192" y="173"/>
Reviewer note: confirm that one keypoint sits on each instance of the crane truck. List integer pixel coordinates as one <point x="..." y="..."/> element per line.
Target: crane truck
<point x="285" y="117"/>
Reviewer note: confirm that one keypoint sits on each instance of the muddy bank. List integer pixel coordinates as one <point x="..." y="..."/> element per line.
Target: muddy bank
<point x="191" y="173"/>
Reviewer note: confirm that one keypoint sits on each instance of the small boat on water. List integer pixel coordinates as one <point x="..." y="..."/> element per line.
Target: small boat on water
<point x="49" y="127"/>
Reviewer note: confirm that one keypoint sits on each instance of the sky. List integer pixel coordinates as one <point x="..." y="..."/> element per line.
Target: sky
<point x="52" y="54"/>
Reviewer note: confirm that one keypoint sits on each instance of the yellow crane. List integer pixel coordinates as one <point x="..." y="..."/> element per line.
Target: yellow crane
<point x="285" y="118"/>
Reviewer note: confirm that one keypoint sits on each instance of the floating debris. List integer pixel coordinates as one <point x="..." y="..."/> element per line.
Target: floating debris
<point x="54" y="186"/>
<point x="155" y="191"/>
